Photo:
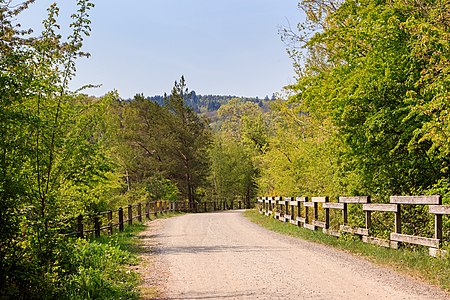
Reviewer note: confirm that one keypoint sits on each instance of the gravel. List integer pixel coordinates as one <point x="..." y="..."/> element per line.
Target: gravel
<point x="224" y="256"/>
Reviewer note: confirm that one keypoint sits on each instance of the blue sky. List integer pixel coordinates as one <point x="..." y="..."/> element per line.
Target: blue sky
<point x="228" y="47"/>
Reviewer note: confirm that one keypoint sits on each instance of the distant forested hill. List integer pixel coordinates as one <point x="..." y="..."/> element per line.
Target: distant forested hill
<point x="208" y="105"/>
<point x="211" y="103"/>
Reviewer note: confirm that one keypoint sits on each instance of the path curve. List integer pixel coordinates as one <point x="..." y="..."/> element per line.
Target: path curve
<point x="224" y="256"/>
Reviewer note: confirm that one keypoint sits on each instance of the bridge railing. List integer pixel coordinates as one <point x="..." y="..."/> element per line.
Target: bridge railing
<point x="304" y="212"/>
<point x="112" y="220"/>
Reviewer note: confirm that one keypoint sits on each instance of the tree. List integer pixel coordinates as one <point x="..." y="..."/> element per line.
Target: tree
<point x="232" y="170"/>
<point x="364" y="75"/>
<point x="242" y="138"/>
<point x="301" y="159"/>
<point x="189" y="141"/>
<point x="41" y="146"/>
<point x="162" y="147"/>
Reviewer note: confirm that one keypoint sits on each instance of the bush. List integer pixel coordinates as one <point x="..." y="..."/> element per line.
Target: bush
<point x="71" y="269"/>
<point x="101" y="272"/>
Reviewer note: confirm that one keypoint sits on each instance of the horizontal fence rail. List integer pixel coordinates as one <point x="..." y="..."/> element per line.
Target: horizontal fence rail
<point x="304" y="212"/>
<point x="106" y="221"/>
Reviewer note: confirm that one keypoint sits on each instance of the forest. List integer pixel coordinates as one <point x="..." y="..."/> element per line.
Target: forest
<point x="369" y="114"/>
<point x="209" y="103"/>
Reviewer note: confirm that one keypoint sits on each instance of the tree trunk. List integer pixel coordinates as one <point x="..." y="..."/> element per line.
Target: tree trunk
<point x="247" y="198"/>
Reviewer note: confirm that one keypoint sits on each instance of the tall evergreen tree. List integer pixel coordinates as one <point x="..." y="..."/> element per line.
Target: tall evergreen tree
<point x="190" y="138"/>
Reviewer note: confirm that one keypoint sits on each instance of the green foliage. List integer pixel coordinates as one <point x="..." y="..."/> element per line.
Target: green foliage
<point x="204" y="104"/>
<point x="301" y="158"/>
<point x="161" y="149"/>
<point x="190" y="139"/>
<point x="234" y="153"/>
<point x="232" y="170"/>
<point x="368" y="114"/>
<point x="162" y="188"/>
<point x="77" y="269"/>
<point x="53" y="161"/>
<point x="100" y="273"/>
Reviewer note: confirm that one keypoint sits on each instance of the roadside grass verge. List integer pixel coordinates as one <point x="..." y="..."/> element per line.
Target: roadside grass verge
<point x="106" y="265"/>
<point x="414" y="262"/>
<point x="127" y="240"/>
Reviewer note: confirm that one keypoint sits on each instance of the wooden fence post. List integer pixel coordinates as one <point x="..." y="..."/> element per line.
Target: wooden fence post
<point x="345" y="214"/>
<point x="97" y="226"/>
<point x="147" y="210"/>
<point x="80" y="229"/>
<point x="438" y="223"/>
<point x="316" y="211"/>
<point x="130" y="215"/>
<point x="438" y="227"/>
<point x="368" y="216"/>
<point x="120" y="219"/>
<point x="139" y="212"/>
<point x="307" y="218"/>
<point x="110" y="222"/>
<point x="398" y="220"/>
<point x="327" y="214"/>
<point x="155" y="208"/>
<point x="287" y="210"/>
<point x="240" y="204"/>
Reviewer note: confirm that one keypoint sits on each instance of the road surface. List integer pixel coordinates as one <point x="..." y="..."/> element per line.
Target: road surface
<point x="222" y="255"/>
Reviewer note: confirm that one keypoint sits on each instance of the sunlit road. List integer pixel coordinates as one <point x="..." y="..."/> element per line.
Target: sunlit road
<point x="224" y="256"/>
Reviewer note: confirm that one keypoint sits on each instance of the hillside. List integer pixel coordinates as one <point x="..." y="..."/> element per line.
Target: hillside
<point x="208" y="105"/>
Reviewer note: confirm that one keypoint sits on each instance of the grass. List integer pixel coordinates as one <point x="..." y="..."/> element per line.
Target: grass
<point x="416" y="263"/>
<point x="126" y="239"/>
<point x="129" y="242"/>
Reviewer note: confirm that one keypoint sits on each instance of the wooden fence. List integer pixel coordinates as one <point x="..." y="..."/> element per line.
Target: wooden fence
<point x="111" y="220"/>
<point x="297" y="210"/>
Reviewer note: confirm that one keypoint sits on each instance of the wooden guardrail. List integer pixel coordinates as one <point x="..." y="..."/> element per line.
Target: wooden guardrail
<point x="108" y="220"/>
<point x="296" y="210"/>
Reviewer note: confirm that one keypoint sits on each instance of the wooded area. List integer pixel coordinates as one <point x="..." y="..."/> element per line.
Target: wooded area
<point x="367" y="115"/>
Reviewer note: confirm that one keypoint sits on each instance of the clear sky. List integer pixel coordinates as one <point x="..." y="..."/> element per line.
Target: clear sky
<point x="226" y="47"/>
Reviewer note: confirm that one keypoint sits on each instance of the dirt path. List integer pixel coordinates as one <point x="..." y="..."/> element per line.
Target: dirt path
<point x="225" y="256"/>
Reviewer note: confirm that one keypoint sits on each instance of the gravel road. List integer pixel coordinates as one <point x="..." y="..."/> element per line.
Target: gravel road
<point x="224" y="256"/>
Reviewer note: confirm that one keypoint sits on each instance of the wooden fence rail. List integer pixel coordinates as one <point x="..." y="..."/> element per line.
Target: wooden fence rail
<point x="298" y="211"/>
<point x="110" y="219"/>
